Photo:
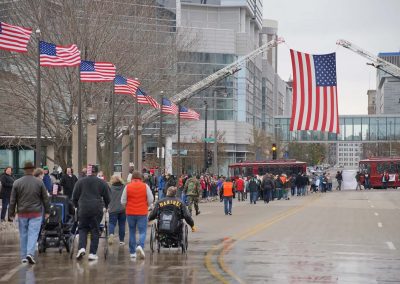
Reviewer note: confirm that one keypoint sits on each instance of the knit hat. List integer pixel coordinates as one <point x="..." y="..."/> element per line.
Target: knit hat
<point x="45" y="168"/>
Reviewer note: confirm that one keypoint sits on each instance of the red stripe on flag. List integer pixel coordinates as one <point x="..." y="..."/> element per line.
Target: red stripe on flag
<point x="309" y="78"/>
<point x="294" y="86"/>
<point x="337" y="113"/>
<point x="332" y="118"/>
<point x="317" y="102"/>
<point x="325" y="109"/>
<point x="301" y="115"/>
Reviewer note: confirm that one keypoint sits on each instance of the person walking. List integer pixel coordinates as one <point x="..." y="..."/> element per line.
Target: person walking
<point x="7" y="181"/>
<point x="339" y="179"/>
<point x="47" y="180"/>
<point x="89" y="196"/>
<point x="29" y="199"/>
<point x="192" y="192"/>
<point x="268" y="186"/>
<point x="67" y="182"/>
<point x="253" y="186"/>
<point x="137" y="198"/>
<point x="227" y="196"/>
<point x="116" y="210"/>
<point x="358" y="180"/>
<point x="160" y="185"/>
<point x="367" y="181"/>
<point x="239" y="187"/>
<point x="385" y="179"/>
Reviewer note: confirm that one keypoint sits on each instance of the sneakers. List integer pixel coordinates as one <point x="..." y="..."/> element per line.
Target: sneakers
<point x="93" y="256"/>
<point x="80" y="253"/>
<point x="121" y="243"/>
<point x="230" y="213"/>
<point x="24" y="261"/>
<point x="30" y="259"/>
<point x="197" y="213"/>
<point x="133" y="255"/>
<point x="111" y="239"/>
<point x="140" y="252"/>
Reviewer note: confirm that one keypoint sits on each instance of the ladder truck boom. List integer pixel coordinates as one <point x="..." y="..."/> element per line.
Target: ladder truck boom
<point x="213" y="78"/>
<point x="377" y="62"/>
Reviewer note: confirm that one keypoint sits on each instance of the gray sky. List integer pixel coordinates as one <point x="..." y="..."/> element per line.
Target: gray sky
<point x="313" y="26"/>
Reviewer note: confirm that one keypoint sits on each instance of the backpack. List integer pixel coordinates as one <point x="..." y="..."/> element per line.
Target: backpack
<point x="253" y="185"/>
<point x="168" y="222"/>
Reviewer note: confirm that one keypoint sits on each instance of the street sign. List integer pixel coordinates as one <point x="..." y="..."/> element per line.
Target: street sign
<point x="209" y="139"/>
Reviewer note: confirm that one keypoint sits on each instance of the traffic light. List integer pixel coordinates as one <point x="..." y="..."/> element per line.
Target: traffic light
<point x="274" y="154"/>
<point x="209" y="158"/>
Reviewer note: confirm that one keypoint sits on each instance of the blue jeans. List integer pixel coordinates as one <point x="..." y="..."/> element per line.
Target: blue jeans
<point x="227" y="204"/>
<point x="121" y="219"/>
<point x="141" y="222"/>
<point x="29" y="229"/>
<point x="160" y="194"/>
<point x="253" y="196"/>
<point x="4" y="205"/>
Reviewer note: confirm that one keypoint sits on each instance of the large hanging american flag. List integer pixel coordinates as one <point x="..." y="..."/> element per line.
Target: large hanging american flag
<point x="187" y="113"/>
<point x="143" y="98"/>
<point x="315" y="103"/>
<point x="59" y="56"/>
<point x="125" y="86"/>
<point x="168" y="107"/>
<point x="97" y="71"/>
<point x="14" y="38"/>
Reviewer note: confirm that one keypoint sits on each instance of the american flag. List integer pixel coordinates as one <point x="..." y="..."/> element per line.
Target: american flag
<point x="168" y="107"/>
<point x="187" y="113"/>
<point x="143" y="98"/>
<point x="14" y="38"/>
<point x="315" y="103"/>
<point x="59" y="56"/>
<point x="125" y="86"/>
<point x="97" y="71"/>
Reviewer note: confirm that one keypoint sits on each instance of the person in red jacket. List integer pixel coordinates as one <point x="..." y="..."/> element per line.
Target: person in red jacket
<point x="239" y="186"/>
<point x="137" y="198"/>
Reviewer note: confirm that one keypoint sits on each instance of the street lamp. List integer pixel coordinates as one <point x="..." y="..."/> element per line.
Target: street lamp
<point x="205" y="136"/>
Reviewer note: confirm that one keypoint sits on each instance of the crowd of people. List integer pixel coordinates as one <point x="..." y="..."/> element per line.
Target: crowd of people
<point x="129" y="203"/>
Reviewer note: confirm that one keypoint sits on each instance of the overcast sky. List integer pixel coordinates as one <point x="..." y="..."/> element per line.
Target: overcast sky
<point x="313" y="26"/>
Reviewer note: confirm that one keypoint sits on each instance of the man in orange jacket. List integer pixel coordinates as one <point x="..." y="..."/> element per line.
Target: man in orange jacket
<point x="227" y="195"/>
<point x="137" y="198"/>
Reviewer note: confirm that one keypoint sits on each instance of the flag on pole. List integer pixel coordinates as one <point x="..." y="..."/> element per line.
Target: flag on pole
<point x="97" y="71"/>
<point x="59" y="56"/>
<point x="187" y="113"/>
<point x="125" y="86"/>
<point x="168" y="107"/>
<point x="143" y="98"/>
<point x="315" y="103"/>
<point x="14" y="38"/>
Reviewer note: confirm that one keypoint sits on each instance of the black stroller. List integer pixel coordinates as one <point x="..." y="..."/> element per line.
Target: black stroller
<point x="56" y="230"/>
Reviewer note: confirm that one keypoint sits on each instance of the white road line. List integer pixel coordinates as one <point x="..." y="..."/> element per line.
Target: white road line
<point x="376" y="214"/>
<point x="380" y="225"/>
<point x="391" y="245"/>
<point x="372" y="206"/>
<point x="11" y="273"/>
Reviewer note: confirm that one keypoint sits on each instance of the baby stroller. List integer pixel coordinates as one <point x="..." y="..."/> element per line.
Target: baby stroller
<point x="56" y="230"/>
<point x="168" y="233"/>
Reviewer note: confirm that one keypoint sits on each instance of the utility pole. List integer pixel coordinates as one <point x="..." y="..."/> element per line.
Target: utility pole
<point x="160" y="162"/>
<point x="216" y="168"/>
<point x="178" y="152"/>
<point x="205" y="136"/>
<point x="136" y="144"/>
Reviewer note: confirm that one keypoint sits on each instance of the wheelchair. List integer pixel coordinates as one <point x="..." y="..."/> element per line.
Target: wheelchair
<point x="160" y="240"/>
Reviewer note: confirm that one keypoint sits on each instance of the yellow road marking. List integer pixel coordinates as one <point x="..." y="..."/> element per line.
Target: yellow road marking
<point x="227" y="245"/>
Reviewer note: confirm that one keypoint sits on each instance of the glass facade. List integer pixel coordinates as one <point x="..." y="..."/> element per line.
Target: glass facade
<point x="352" y="128"/>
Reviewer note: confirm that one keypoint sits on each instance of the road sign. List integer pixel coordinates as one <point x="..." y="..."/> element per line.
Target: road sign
<point x="209" y="139"/>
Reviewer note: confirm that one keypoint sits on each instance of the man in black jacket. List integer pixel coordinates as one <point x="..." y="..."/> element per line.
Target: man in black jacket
<point x="89" y="195"/>
<point x="172" y="205"/>
<point x="67" y="182"/>
<point x="268" y="186"/>
<point x="7" y="181"/>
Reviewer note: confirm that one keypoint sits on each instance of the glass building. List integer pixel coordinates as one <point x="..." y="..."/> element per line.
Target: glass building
<point x="368" y="128"/>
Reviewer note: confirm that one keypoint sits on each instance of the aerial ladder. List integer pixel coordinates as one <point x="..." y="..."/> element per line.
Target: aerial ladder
<point x="377" y="62"/>
<point x="227" y="71"/>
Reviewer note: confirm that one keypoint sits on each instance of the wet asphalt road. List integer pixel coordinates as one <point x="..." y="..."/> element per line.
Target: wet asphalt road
<point x="338" y="237"/>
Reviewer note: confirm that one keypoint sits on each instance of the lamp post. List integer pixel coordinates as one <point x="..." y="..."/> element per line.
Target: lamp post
<point x="38" y="110"/>
<point x="216" y="168"/>
<point x="205" y="136"/>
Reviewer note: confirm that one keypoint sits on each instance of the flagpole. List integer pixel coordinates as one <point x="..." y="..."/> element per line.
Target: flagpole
<point x="136" y="156"/>
<point x="160" y="162"/>
<point x="178" y="162"/>
<point x="38" y="110"/>
<point x="112" y="131"/>
<point x="80" y="125"/>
